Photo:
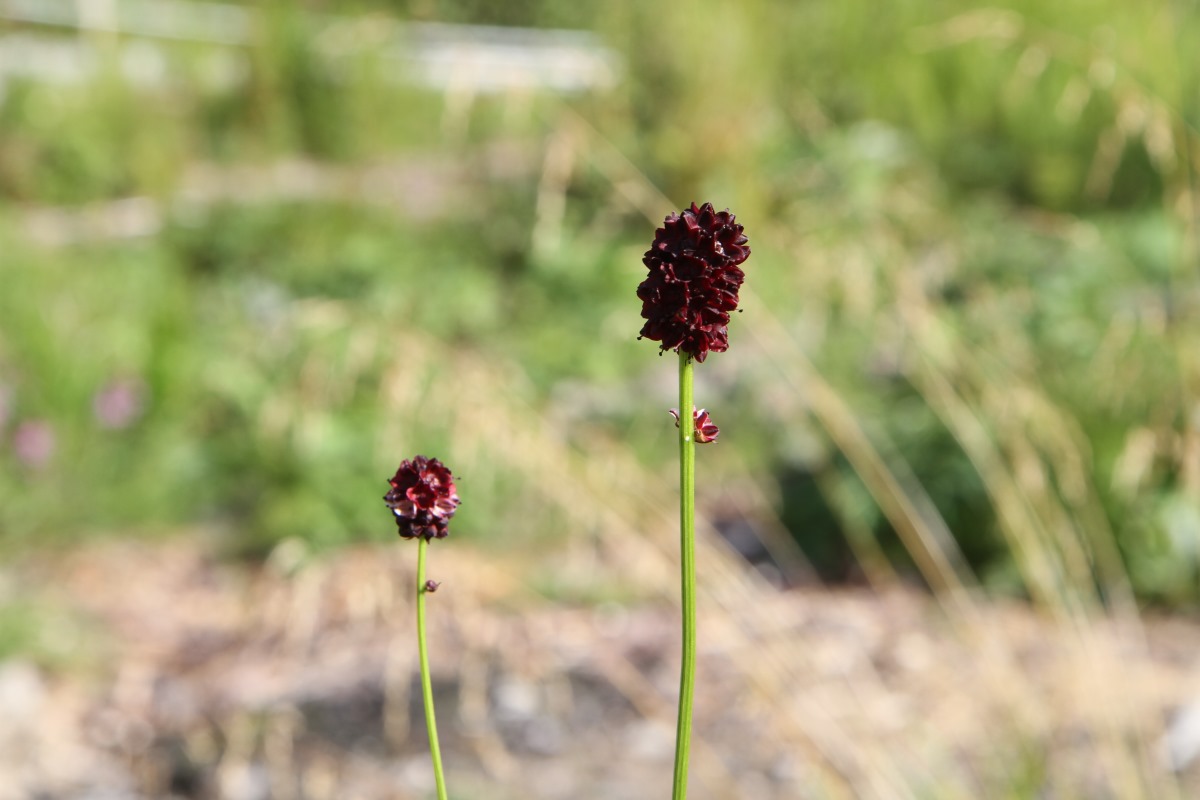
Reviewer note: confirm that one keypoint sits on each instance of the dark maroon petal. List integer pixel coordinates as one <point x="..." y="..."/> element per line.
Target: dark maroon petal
<point x="693" y="280"/>
<point x="706" y="430"/>
<point x="423" y="498"/>
<point x="688" y="268"/>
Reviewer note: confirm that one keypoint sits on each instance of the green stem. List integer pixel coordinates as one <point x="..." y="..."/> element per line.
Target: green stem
<point x="687" y="547"/>
<point x="426" y="682"/>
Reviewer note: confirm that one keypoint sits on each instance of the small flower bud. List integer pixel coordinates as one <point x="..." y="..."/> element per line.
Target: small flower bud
<point x="705" y="430"/>
<point x="431" y="586"/>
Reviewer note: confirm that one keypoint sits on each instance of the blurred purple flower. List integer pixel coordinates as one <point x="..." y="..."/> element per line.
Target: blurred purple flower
<point x="120" y="403"/>
<point x="34" y="443"/>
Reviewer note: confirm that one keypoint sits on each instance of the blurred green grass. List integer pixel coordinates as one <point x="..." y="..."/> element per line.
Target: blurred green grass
<point x="1000" y="201"/>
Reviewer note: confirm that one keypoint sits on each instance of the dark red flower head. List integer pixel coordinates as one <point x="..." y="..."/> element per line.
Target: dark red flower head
<point x="704" y="430"/>
<point x="423" y="498"/>
<point x="694" y="280"/>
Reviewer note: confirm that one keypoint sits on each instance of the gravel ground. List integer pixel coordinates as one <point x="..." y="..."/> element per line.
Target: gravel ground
<point x="163" y="671"/>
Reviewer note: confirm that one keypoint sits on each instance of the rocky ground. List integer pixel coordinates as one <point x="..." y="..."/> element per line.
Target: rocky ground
<point x="164" y="671"/>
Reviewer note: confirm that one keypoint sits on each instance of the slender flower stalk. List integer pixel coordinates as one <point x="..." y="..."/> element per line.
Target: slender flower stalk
<point x="692" y="286"/>
<point x="435" y="750"/>
<point x="687" y="549"/>
<point x="423" y="498"/>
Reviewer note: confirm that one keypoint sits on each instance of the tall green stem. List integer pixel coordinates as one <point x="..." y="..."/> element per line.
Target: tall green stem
<point x="426" y="681"/>
<point x="687" y="547"/>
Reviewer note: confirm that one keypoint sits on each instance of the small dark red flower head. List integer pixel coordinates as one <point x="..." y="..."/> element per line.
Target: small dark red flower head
<point x="422" y="498"/>
<point x="704" y="430"/>
<point x="694" y="280"/>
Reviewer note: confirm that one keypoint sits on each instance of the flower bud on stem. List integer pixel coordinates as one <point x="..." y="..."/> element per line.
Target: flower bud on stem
<point x="423" y="498"/>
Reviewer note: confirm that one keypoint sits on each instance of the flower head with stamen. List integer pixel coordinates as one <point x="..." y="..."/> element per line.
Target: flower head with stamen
<point x="693" y="281"/>
<point x="422" y="498"/>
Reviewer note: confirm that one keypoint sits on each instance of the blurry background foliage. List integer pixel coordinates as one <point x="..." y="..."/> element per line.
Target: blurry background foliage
<point x="236" y="293"/>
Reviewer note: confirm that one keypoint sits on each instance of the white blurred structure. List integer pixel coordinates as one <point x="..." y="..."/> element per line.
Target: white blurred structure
<point x="493" y="59"/>
<point x="478" y="59"/>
